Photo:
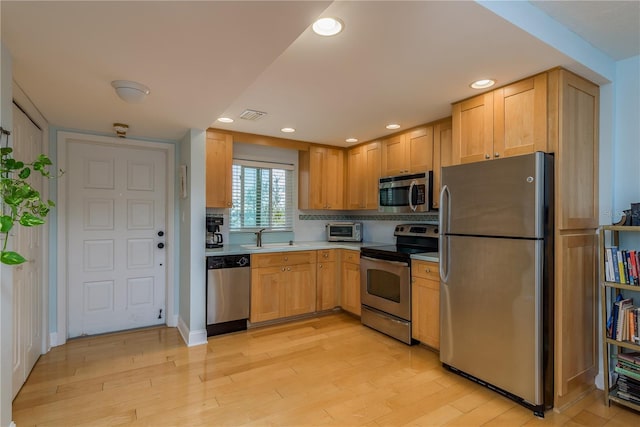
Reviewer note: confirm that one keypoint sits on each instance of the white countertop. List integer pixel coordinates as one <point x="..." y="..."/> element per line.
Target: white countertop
<point x="306" y="246"/>
<point x="284" y="247"/>
<point x="427" y="256"/>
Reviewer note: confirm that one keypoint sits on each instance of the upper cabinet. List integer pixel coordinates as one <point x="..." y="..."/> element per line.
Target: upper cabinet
<point x="408" y="152"/>
<point x="363" y="172"/>
<point x="442" y="156"/>
<point x="219" y="153"/>
<point x="573" y="135"/>
<point x="321" y="178"/>
<point x="508" y="121"/>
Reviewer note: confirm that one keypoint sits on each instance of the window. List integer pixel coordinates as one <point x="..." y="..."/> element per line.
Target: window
<point x="262" y="196"/>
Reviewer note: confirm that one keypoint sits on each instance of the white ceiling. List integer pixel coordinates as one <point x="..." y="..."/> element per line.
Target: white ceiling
<point x="399" y="62"/>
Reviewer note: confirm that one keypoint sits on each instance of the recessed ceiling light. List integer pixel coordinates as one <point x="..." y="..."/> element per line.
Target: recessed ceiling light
<point x="327" y="26"/>
<point x="287" y="130"/>
<point x="351" y="140"/>
<point x="392" y="126"/>
<point x="225" y="119"/>
<point x="482" y="84"/>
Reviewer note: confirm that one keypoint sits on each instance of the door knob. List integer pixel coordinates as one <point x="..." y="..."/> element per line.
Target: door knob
<point x="160" y="245"/>
<point x="160" y="233"/>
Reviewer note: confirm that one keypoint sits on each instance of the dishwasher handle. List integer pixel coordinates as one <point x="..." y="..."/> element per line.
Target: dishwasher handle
<point x="228" y="261"/>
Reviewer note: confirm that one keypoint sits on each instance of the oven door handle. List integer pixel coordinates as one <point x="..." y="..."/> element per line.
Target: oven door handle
<point x="405" y="264"/>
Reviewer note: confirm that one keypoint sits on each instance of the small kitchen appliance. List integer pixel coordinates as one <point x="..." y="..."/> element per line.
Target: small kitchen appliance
<point x="213" y="235"/>
<point x="385" y="279"/>
<point x="344" y="232"/>
<point x="405" y="193"/>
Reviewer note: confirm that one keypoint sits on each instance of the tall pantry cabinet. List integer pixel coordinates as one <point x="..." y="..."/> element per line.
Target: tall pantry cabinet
<point x="556" y="112"/>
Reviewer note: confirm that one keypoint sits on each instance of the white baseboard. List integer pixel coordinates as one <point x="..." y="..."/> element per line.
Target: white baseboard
<point x="600" y="381"/>
<point x="192" y="338"/>
<point x="172" y="321"/>
<point x="12" y="424"/>
<point x="53" y="339"/>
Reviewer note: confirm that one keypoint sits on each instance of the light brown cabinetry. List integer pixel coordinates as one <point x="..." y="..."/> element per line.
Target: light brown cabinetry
<point x="508" y="121"/>
<point x="408" y="152"/>
<point x="425" y="303"/>
<point x="363" y="172"/>
<point x="350" y="281"/>
<point x="327" y="280"/>
<point x="321" y="178"/>
<point x="573" y="135"/>
<point x="283" y="284"/>
<point x="219" y="161"/>
<point x="442" y="156"/>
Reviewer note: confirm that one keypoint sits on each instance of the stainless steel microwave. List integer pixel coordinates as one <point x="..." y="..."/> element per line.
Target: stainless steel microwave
<point x="405" y="193"/>
<point x="344" y="232"/>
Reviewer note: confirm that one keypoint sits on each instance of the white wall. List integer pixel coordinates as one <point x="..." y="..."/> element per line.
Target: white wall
<point x="6" y="283"/>
<point x="192" y="314"/>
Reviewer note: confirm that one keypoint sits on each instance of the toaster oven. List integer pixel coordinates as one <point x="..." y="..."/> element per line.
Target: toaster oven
<point x="344" y="232"/>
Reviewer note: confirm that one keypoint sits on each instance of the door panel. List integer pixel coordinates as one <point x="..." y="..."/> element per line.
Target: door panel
<point x="116" y="271"/>
<point x="499" y="198"/>
<point x="28" y="290"/>
<point x="491" y="308"/>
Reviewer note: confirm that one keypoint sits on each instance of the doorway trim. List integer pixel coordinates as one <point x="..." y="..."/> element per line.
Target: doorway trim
<point x="61" y="209"/>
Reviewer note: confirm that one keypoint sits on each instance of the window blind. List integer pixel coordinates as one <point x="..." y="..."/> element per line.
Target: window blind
<point x="262" y="196"/>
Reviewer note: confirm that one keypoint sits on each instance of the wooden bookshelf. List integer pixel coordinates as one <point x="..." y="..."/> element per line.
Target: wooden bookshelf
<point x="608" y="292"/>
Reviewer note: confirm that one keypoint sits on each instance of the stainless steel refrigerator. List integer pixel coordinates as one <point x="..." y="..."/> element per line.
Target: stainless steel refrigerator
<point x="496" y="274"/>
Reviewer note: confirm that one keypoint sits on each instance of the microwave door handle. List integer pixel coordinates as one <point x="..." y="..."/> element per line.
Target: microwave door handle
<point x="411" y="187"/>
<point x="444" y="228"/>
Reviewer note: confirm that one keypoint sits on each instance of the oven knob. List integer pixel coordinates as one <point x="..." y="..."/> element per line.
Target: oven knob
<point x="435" y="231"/>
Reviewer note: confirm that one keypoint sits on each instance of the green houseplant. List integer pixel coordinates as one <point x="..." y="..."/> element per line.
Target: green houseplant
<point x="21" y="202"/>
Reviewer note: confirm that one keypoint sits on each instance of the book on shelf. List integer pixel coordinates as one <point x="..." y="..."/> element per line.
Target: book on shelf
<point x="629" y="373"/>
<point x="614" y="262"/>
<point x="613" y="317"/>
<point x="632" y="357"/>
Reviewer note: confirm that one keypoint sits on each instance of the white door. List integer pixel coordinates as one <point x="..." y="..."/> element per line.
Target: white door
<point x="27" y="277"/>
<point x="116" y="234"/>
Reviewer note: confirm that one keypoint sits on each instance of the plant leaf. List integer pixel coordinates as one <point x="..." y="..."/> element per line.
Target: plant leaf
<point x="11" y="258"/>
<point x="29" y="220"/>
<point x="6" y="223"/>
<point x="24" y="173"/>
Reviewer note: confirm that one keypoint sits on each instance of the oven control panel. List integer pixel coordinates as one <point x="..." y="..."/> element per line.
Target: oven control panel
<point x="417" y="230"/>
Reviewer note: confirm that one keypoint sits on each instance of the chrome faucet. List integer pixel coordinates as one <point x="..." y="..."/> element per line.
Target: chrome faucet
<point x="259" y="237"/>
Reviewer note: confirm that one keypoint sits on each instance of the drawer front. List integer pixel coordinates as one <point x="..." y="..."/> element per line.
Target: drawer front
<point x="350" y="256"/>
<point x="326" y="255"/>
<point x="425" y="269"/>
<point x="283" y="258"/>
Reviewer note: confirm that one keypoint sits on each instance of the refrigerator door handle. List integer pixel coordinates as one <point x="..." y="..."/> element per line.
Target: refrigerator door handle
<point x="444" y="228"/>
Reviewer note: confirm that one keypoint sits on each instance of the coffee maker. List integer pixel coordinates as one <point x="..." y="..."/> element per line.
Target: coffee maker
<point x="213" y="236"/>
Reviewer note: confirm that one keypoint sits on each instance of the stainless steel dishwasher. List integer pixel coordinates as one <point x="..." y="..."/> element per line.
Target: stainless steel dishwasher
<point x="228" y="293"/>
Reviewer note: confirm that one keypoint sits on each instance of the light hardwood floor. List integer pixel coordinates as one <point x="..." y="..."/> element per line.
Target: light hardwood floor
<point x="329" y="370"/>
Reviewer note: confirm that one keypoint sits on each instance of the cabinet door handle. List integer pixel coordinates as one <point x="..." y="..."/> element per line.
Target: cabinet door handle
<point x="288" y="268"/>
<point x="486" y="156"/>
<point x="319" y="265"/>
<point x="496" y="155"/>
<point x="283" y="268"/>
<point x="428" y="270"/>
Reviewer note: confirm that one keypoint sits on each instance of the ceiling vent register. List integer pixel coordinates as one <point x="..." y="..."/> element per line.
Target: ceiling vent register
<point x="252" y="115"/>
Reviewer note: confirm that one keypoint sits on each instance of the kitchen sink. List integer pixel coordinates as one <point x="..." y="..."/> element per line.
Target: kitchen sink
<point x="270" y="246"/>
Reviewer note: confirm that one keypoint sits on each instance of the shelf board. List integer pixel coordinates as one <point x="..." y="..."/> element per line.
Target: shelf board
<point x="617" y="285"/>
<point x="613" y="397"/>
<point x="625" y="344"/>
<point x="621" y="227"/>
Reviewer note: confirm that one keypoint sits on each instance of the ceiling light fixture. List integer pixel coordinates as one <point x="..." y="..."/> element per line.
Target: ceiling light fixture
<point x="131" y="92"/>
<point x="327" y="26"/>
<point x="392" y="126"/>
<point x="350" y="140"/>
<point x="225" y="119"/>
<point x="482" y="84"/>
<point x="287" y="130"/>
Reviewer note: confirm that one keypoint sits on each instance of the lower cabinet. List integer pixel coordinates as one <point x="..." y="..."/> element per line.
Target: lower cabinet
<point x="282" y="285"/>
<point x="425" y="303"/>
<point x="350" y="281"/>
<point x="327" y="280"/>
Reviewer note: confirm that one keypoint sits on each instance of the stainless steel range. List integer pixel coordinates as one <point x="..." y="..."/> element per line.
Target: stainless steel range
<point x="385" y="279"/>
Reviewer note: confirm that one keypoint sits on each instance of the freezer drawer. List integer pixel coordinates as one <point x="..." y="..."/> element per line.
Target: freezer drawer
<point x="491" y="311"/>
